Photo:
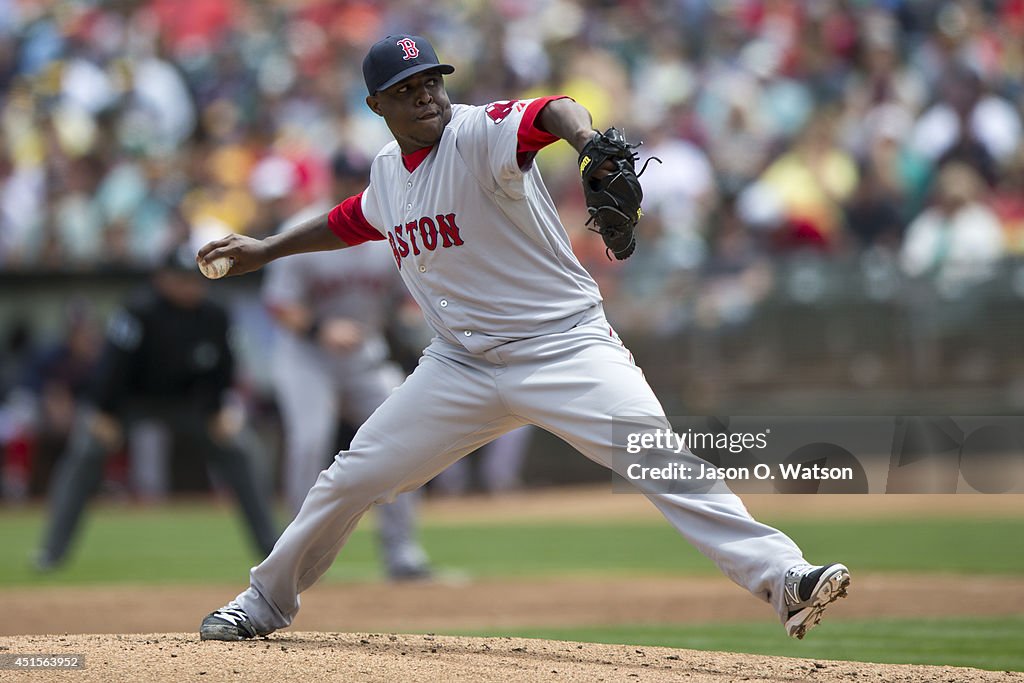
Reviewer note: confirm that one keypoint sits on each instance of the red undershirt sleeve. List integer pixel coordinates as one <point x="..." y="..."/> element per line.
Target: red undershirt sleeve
<point x="532" y="139"/>
<point x="347" y="221"/>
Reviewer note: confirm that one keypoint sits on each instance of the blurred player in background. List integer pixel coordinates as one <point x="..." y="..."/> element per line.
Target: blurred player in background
<point x="166" y="358"/>
<point x="331" y="361"/>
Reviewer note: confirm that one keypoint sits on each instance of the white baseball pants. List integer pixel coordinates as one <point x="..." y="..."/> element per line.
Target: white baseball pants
<point x="570" y="383"/>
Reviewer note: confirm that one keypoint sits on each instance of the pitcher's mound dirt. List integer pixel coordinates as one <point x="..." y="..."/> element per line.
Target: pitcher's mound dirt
<point x="301" y="656"/>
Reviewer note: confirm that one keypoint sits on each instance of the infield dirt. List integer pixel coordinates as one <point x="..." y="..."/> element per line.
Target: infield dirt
<point x="302" y="656"/>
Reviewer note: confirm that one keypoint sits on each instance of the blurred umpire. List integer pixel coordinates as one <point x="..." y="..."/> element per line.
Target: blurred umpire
<point x="166" y="358"/>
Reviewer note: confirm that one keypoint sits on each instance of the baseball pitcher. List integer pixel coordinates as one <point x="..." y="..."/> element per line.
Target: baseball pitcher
<point x="521" y="337"/>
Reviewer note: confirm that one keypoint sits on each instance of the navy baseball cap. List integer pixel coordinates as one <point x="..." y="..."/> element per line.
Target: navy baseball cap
<point x="396" y="58"/>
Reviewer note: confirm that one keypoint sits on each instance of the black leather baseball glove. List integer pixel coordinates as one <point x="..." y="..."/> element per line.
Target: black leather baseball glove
<point x="613" y="200"/>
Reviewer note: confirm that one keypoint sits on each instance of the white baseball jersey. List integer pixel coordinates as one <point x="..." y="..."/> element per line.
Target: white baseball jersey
<point x="466" y="221"/>
<point x="522" y="339"/>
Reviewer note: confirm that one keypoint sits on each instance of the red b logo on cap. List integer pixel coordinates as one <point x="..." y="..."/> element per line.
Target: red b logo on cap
<point x="409" y="46"/>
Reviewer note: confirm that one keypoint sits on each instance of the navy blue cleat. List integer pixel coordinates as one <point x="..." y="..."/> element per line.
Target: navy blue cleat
<point x="230" y="622"/>
<point x="809" y="590"/>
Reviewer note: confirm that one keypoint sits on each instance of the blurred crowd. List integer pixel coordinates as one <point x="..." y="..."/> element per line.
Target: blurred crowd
<point x="837" y="126"/>
<point x="887" y="132"/>
<point x="830" y="125"/>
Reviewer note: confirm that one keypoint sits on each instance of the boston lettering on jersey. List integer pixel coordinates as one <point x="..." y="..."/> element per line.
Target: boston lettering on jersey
<point x="424" y="234"/>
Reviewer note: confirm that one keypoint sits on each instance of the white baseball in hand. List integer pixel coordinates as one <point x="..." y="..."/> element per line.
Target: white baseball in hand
<point x="217" y="268"/>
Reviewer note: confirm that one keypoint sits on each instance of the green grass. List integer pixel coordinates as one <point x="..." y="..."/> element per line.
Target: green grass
<point x="655" y="548"/>
<point x="991" y="643"/>
<point x="199" y="543"/>
<point x="203" y="543"/>
<point x="177" y="544"/>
